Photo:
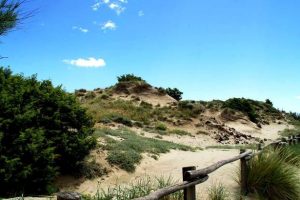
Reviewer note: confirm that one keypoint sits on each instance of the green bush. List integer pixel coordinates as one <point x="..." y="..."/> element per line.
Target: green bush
<point x="43" y="132"/>
<point x="175" y="93"/>
<point x="271" y="177"/>
<point x="242" y="105"/>
<point x="129" y="78"/>
<point x="160" y="127"/>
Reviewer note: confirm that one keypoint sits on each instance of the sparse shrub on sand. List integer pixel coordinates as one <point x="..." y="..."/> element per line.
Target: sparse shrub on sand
<point x="218" y="192"/>
<point x="129" y="78"/>
<point x="126" y="152"/>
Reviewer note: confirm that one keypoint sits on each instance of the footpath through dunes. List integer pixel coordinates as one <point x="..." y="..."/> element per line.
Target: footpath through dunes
<point x="171" y="164"/>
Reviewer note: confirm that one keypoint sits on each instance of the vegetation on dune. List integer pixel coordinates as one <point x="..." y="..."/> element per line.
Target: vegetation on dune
<point x="291" y="131"/>
<point x="43" y="132"/>
<point x="271" y="176"/>
<point x="255" y="110"/>
<point x="218" y="192"/>
<point x="139" y="188"/>
<point x="130" y="78"/>
<point x="126" y="151"/>
<point x="175" y="93"/>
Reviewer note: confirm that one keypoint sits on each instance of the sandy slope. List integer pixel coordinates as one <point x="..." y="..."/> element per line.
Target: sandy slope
<point x="170" y="165"/>
<point x="267" y="131"/>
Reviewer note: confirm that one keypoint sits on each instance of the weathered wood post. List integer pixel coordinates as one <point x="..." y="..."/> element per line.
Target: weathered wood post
<point x="259" y="146"/>
<point x="190" y="192"/>
<point x="244" y="174"/>
<point x="68" y="196"/>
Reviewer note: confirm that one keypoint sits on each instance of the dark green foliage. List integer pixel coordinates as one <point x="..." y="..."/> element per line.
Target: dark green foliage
<point x="129" y="78"/>
<point x="175" y="93"/>
<point x="122" y="120"/>
<point x="161" y="91"/>
<point x="8" y="15"/>
<point x="43" y="132"/>
<point x="269" y="102"/>
<point x="295" y="116"/>
<point x="243" y="105"/>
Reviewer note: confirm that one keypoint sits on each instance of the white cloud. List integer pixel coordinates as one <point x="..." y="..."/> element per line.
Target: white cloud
<point x="109" y="25"/>
<point x="86" y="63"/>
<point x="141" y="13"/>
<point x="117" y="8"/>
<point x="83" y="30"/>
<point x="298" y="97"/>
<point x="96" y="6"/>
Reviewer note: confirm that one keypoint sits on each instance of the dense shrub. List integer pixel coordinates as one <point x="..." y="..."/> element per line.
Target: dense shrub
<point x="175" y="93"/>
<point x="129" y="78"/>
<point x="242" y="105"/>
<point x="43" y="132"/>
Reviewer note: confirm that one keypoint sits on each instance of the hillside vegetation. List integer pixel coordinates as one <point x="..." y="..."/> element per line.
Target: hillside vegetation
<point x="136" y="104"/>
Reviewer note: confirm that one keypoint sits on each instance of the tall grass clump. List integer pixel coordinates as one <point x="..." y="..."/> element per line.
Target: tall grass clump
<point x="271" y="177"/>
<point x="218" y="192"/>
<point x="139" y="188"/>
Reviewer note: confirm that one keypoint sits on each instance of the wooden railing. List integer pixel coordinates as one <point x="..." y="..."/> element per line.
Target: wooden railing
<point x="193" y="177"/>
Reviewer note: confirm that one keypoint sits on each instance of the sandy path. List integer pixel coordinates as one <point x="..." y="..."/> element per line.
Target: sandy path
<point x="170" y="165"/>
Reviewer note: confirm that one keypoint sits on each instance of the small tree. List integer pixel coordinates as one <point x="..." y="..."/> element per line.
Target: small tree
<point x="175" y="93"/>
<point x="269" y="102"/>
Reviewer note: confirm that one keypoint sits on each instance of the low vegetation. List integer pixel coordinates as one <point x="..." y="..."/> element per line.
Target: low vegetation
<point x="271" y="176"/>
<point x="125" y="148"/>
<point x="218" y="192"/>
<point x="291" y="131"/>
<point x="139" y="188"/>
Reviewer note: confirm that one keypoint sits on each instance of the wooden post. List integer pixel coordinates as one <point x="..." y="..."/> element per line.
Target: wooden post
<point x="190" y="192"/>
<point x="244" y="173"/>
<point x="68" y="196"/>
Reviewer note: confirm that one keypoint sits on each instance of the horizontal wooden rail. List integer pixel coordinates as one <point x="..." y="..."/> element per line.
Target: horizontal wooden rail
<point x="171" y="189"/>
<point x="205" y="171"/>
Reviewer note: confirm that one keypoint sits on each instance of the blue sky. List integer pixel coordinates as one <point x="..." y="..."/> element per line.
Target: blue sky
<point x="209" y="49"/>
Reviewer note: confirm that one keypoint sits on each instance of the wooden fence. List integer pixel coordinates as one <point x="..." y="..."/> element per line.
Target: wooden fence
<point x="192" y="176"/>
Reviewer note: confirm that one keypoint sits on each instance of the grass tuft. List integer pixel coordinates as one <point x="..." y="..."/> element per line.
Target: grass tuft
<point x="271" y="177"/>
<point x="218" y="192"/>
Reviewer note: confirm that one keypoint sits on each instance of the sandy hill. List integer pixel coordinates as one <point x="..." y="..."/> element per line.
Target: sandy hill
<point x="144" y="108"/>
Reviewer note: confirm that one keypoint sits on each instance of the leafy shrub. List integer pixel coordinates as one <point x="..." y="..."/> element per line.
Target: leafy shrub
<point x="91" y="169"/>
<point x="271" y="177"/>
<point x="242" y="105"/>
<point x="129" y="78"/>
<point x="90" y="95"/>
<point x="161" y="91"/>
<point x="122" y="120"/>
<point x="269" y="102"/>
<point x="175" y="93"/>
<point x="146" y="105"/>
<point x="43" y="132"/>
<point x="161" y="127"/>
